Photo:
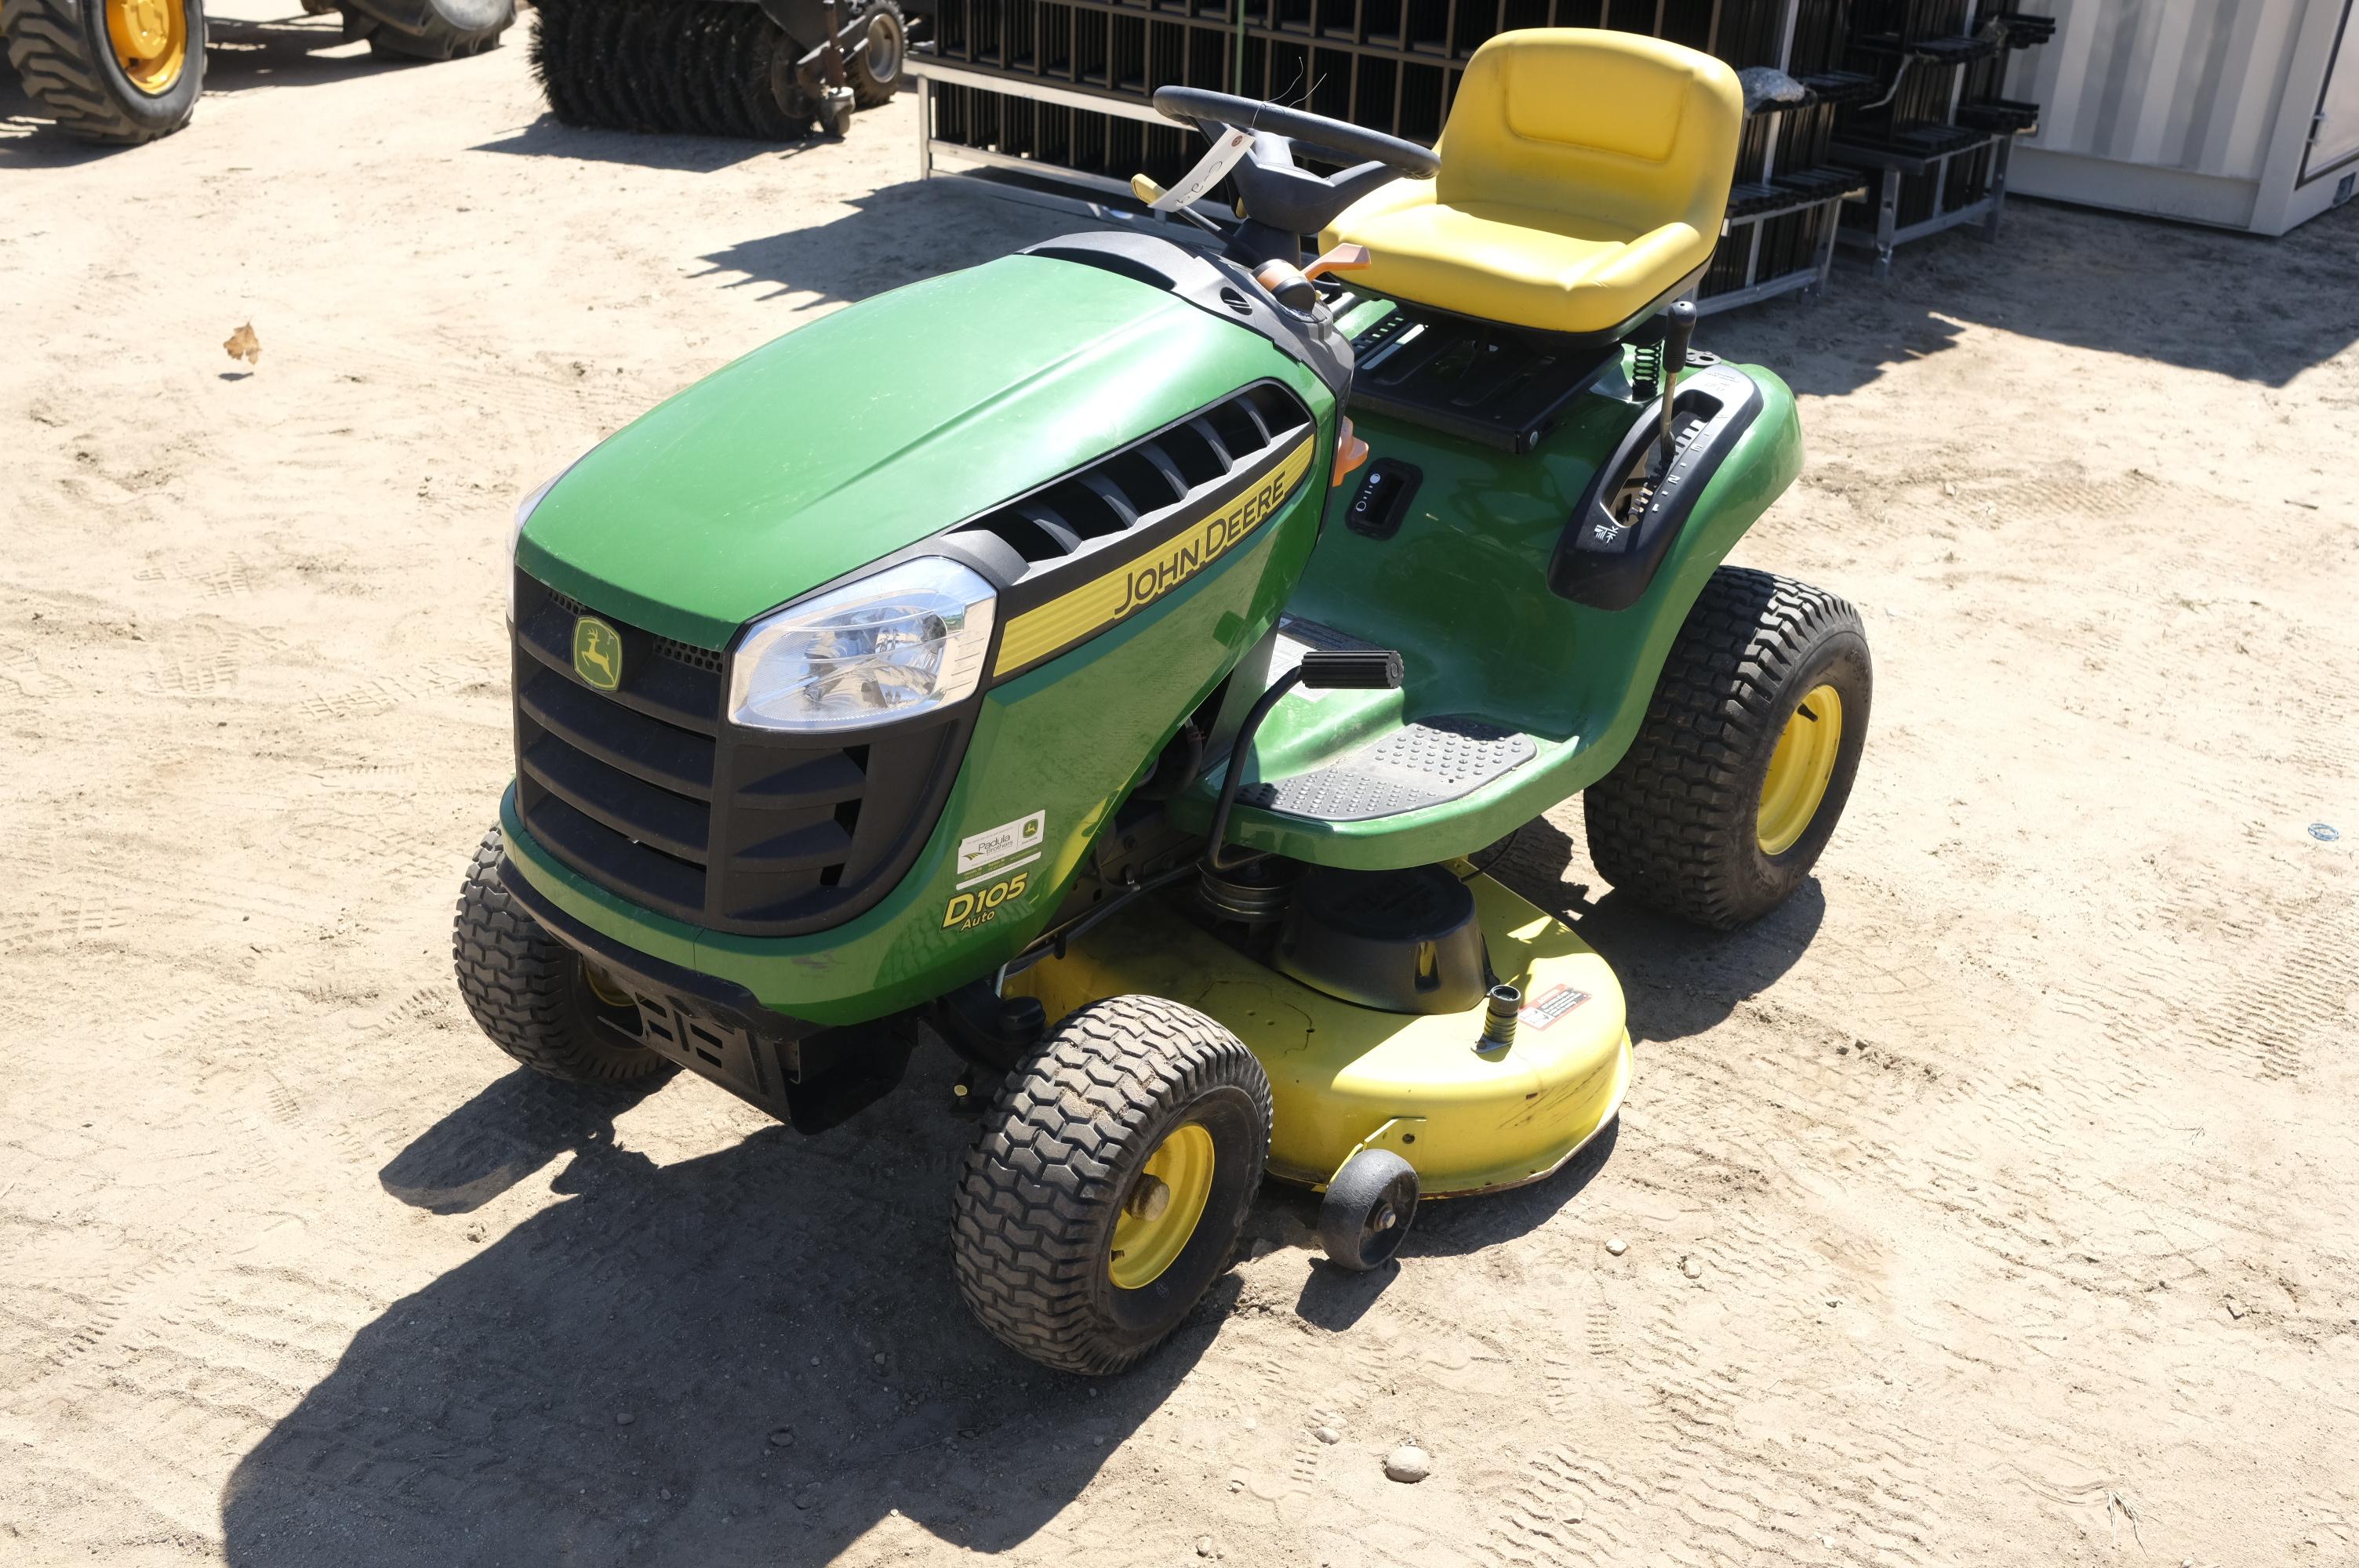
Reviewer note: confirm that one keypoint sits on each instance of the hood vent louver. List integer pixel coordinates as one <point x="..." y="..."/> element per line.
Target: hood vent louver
<point x="1146" y="478"/>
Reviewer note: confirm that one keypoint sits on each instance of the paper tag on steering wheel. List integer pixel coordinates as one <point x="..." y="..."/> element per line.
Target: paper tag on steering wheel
<point x="1227" y="152"/>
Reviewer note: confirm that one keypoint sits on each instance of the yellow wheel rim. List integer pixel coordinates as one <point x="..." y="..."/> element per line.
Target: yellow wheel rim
<point x="1161" y="1211"/>
<point x="1799" y="769"/>
<point x="150" y="40"/>
<point x="603" y="987"/>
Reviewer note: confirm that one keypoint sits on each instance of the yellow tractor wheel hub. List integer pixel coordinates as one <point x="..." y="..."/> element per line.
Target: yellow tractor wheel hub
<point x="605" y="987"/>
<point x="150" y="40"/>
<point x="1799" y="769"/>
<point x="1161" y="1211"/>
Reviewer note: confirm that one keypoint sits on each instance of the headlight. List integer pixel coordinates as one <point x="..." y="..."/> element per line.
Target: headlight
<point x="902" y="642"/>
<point x="515" y="530"/>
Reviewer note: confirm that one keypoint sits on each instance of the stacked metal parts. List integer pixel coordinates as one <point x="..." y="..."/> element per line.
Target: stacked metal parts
<point x="1058" y="91"/>
<point x="716" y="68"/>
<point x="1934" y="134"/>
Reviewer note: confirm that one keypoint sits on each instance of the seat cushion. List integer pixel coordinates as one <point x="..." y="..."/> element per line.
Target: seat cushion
<point x="1548" y="270"/>
<point x="1584" y="176"/>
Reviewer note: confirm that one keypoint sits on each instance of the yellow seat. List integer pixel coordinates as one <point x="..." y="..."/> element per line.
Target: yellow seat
<point x="1583" y="176"/>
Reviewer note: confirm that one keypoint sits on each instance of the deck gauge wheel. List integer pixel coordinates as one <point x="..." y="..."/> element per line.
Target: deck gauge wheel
<point x="1366" y="1212"/>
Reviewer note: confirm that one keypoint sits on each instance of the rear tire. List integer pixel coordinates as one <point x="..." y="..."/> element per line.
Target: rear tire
<point x="433" y="29"/>
<point x="1057" y="1202"/>
<point x="534" y="996"/>
<point x="62" y="51"/>
<point x="1681" y="823"/>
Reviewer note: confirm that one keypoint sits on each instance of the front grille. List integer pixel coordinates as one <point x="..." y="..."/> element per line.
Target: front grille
<point x="689" y="655"/>
<point x="645" y="789"/>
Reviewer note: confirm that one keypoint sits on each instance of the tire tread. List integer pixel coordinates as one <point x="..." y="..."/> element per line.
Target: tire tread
<point x="51" y="53"/>
<point x="518" y="982"/>
<point x="1025" y="1211"/>
<point x="1671" y="824"/>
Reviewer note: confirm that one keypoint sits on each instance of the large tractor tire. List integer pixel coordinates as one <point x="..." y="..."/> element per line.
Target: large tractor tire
<point x="873" y="69"/>
<point x="1110" y="1182"/>
<point x="120" y="71"/>
<point x="433" y="30"/>
<point x="1746" y="755"/>
<point x="534" y="996"/>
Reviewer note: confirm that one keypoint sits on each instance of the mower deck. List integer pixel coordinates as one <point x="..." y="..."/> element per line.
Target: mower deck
<point x="1343" y="1077"/>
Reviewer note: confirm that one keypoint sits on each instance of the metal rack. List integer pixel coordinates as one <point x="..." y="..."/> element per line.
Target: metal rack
<point x="1048" y="100"/>
<point x="1936" y="143"/>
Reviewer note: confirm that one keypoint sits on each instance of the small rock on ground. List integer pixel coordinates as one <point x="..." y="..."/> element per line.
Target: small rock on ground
<point x="1617" y="1246"/>
<point x="1326" y="1434"/>
<point x="1408" y="1463"/>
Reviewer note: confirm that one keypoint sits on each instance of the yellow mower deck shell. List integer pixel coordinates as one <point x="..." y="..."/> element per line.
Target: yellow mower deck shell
<point x="1345" y="1077"/>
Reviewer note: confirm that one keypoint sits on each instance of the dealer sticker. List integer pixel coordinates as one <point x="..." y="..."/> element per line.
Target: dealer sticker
<point x="997" y="850"/>
<point x="1549" y="1006"/>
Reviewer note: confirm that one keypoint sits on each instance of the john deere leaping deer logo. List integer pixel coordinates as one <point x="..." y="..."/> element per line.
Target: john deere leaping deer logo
<point x="597" y="653"/>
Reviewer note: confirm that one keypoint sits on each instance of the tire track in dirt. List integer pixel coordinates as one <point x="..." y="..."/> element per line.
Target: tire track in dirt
<point x="56" y="1319"/>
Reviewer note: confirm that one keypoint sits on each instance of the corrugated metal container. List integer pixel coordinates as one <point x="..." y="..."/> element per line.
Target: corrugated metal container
<point x="2240" y="112"/>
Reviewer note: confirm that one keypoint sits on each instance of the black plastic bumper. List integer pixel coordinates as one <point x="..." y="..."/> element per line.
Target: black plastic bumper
<point x="809" y="1077"/>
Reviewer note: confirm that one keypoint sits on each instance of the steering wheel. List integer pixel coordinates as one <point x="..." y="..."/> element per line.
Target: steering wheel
<point x="1280" y="200"/>
<point x="1196" y="106"/>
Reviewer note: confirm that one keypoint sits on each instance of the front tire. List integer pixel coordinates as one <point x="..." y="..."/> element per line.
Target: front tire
<point x="534" y="996"/>
<point x="119" y="71"/>
<point x="1742" y="766"/>
<point x="1110" y="1182"/>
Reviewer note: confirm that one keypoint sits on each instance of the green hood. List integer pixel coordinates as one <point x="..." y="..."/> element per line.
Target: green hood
<point x="870" y="429"/>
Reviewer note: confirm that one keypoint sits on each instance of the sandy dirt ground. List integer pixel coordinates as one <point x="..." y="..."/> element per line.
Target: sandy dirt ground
<point x="1994" y="1203"/>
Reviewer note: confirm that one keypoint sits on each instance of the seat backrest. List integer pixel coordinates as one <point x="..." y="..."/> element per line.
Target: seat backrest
<point x="1627" y="130"/>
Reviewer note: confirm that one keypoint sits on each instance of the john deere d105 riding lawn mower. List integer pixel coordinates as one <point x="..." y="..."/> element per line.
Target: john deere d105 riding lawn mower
<point x="1040" y="650"/>
<point x="130" y="70"/>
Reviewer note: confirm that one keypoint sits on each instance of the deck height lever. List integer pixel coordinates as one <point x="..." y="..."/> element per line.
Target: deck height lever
<point x="1676" y="337"/>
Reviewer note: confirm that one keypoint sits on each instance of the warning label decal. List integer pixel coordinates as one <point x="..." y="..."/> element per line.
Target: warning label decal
<point x="1550" y="1005"/>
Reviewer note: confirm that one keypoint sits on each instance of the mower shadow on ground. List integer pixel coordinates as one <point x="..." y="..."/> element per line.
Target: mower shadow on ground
<point x="516" y="1126"/>
<point x="756" y="1354"/>
<point x="1677" y="980"/>
<point x="894" y="235"/>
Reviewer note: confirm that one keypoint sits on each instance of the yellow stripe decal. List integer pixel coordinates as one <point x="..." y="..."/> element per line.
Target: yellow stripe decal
<point x="1097" y="604"/>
